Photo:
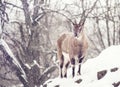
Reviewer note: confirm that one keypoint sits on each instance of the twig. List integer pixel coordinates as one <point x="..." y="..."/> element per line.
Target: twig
<point x="13" y="5"/>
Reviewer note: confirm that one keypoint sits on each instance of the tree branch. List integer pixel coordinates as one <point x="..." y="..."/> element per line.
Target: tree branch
<point x="12" y="60"/>
<point x="44" y="76"/>
<point x="13" y="5"/>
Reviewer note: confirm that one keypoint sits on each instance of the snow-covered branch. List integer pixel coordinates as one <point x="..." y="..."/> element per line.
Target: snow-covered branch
<point x="12" y="59"/>
<point x="45" y="76"/>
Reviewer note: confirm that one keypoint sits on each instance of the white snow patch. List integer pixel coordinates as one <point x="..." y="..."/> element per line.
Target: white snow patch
<point x="62" y="82"/>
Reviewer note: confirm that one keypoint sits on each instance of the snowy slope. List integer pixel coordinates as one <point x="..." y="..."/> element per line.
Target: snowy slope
<point x="108" y="60"/>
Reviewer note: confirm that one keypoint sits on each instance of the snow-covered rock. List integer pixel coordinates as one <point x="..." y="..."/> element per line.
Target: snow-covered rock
<point x="102" y="71"/>
<point x="109" y="58"/>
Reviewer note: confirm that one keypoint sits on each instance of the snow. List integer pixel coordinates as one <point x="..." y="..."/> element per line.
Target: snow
<point x="62" y="82"/>
<point x="107" y="60"/>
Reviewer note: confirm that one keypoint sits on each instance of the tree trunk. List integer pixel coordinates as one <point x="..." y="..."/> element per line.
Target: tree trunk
<point x="107" y="24"/>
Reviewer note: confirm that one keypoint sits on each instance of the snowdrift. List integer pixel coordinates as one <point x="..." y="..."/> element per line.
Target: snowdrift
<point x="102" y="71"/>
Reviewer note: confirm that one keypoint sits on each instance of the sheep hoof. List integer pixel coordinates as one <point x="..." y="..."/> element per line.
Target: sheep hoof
<point x="78" y="74"/>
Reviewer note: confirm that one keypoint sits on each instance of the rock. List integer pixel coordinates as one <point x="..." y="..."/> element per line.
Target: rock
<point x="78" y="81"/>
<point x="114" y="69"/>
<point x="101" y="74"/>
<point x="116" y="84"/>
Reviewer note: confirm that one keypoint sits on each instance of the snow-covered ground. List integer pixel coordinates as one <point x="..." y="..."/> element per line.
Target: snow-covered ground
<point x="107" y="60"/>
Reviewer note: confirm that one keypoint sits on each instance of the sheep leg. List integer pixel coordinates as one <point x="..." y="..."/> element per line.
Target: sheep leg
<point x="73" y="66"/>
<point x="61" y="66"/>
<point x="79" y="68"/>
<point x="66" y="66"/>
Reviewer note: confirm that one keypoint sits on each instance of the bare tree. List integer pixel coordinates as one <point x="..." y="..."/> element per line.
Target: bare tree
<point x="31" y="47"/>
